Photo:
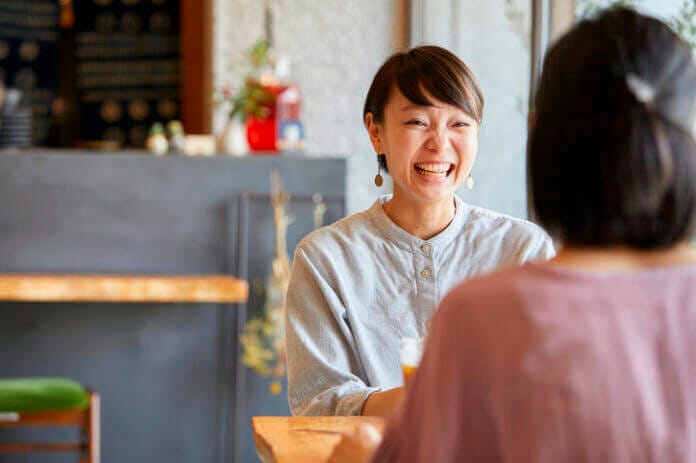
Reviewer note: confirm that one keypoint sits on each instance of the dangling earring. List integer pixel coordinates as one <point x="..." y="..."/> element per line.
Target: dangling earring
<point x="470" y="181"/>
<point x="378" y="178"/>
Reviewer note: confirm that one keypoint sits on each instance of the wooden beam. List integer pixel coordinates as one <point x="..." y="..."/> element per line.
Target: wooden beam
<point x="196" y="65"/>
<point x="562" y="18"/>
<point x="122" y="288"/>
<point x="402" y="25"/>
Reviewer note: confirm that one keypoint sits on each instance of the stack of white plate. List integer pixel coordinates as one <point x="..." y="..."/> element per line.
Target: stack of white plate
<point x="15" y="129"/>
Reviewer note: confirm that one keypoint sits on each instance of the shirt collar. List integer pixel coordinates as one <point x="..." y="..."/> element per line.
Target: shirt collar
<point x="397" y="235"/>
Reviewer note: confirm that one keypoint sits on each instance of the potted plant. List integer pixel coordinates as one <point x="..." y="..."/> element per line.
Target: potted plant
<point x="253" y="104"/>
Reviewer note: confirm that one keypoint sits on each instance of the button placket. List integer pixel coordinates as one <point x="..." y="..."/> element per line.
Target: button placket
<point x="425" y="271"/>
<point x="425" y="268"/>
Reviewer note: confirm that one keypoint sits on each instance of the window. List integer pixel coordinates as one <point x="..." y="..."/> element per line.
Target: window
<point x="494" y="38"/>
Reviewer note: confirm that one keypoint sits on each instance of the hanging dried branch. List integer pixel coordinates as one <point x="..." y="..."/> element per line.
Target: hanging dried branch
<point x="264" y="337"/>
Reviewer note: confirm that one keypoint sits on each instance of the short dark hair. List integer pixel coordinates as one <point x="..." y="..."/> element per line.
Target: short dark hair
<point x="611" y="157"/>
<point x="431" y="68"/>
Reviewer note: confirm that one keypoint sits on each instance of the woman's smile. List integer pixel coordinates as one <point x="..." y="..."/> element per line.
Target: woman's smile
<point x="434" y="171"/>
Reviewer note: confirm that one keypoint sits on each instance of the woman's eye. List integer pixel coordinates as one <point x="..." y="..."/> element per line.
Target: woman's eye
<point x="416" y="122"/>
<point x="461" y="124"/>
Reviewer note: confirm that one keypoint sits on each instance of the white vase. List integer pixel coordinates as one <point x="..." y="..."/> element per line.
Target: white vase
<point x="235" y="139"/>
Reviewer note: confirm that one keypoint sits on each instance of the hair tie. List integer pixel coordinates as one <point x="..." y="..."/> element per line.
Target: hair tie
<point x="642" y="90"/>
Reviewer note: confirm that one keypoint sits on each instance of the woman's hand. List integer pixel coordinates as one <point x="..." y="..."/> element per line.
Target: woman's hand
<point x="383" y="402"/>
<point x="358" y="446"/>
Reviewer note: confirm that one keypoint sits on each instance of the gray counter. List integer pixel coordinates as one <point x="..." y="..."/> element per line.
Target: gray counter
<point x="171" y="386"/>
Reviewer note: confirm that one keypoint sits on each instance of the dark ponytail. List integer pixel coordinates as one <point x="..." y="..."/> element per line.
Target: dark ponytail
<point x="612" y="159"/>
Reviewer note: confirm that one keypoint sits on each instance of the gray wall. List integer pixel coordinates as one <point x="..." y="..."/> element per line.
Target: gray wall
<point x="171" y="387"/>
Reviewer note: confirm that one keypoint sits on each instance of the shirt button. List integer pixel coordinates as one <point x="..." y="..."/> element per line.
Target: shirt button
<point x="425" y="273"/>
<point x="425" y="248"/>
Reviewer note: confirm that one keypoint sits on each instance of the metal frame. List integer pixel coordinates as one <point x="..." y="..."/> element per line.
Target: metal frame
<point x="239" y="383"/>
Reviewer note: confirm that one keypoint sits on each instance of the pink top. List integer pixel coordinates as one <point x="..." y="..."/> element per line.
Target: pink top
<point x="547" y="364"/>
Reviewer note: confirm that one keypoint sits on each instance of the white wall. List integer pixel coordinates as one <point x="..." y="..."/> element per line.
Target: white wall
<point x="336" y="47"/>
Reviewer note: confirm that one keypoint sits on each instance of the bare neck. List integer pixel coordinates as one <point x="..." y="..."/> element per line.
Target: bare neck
<point x="623" y="258"/>
<point x="423" y="221"/>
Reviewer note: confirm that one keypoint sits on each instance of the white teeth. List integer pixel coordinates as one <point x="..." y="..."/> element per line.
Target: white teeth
<point x="432" y="174"/>
<point x="433" y="168"/>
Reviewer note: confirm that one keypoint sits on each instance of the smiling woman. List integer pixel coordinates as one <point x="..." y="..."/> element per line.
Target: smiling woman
<point x="429" y="148"/>
<point x="361" y="284"/>
<point x="428" y="131"/>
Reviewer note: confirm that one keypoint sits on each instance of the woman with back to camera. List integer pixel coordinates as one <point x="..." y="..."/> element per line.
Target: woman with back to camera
<point x="366" y="281"/>
<point x="590" y="357"/>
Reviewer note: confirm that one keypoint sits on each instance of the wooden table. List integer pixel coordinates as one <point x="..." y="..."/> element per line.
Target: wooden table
<point x="307" y="439"/>
<point x="121" y="288"/>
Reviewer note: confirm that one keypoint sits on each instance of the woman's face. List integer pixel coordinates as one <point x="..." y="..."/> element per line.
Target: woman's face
<point x="430" y="150"/>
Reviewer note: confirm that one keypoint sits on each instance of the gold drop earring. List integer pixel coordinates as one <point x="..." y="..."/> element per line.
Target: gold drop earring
<point x="378" y="178"/>
<point x="470" y="181"/>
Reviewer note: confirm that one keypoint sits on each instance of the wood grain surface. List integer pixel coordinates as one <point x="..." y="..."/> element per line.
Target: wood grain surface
<point x="122" y="288"/>
<point x="309" y="439"/>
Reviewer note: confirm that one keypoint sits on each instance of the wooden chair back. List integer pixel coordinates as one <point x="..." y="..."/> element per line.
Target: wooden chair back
<point x="87" y="420"/>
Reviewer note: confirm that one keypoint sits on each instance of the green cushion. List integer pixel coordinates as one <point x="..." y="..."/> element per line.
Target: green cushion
<point x="41" y="394"/>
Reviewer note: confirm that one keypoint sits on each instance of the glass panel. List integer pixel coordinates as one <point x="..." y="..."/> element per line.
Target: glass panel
<point x="493" y="38"/>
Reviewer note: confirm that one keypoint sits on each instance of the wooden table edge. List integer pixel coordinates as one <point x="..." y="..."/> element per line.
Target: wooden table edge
<point x="263" y="447"/>
<point x="30" y="287"/>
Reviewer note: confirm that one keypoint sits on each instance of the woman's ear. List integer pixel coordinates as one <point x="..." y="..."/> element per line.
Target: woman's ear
<point x="375" y="131"/>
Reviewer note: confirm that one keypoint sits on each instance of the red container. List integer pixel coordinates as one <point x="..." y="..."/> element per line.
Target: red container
<point x="262" y="133"/>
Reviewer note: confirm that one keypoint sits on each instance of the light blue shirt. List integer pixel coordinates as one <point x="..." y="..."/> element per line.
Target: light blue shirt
<point x="359" y="285"/>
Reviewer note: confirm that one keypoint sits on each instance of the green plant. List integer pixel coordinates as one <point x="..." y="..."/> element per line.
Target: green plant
<point x="683" y="22"/>
<point x="259" y="54"/>
<point x="587" y="8"/>
<point x="253" y="97"/>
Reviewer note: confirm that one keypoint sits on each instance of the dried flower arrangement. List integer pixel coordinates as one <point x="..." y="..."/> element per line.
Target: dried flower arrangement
<point x="264" y="336"/>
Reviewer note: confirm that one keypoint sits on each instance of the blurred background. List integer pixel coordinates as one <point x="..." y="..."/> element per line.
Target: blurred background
<point x="142" y="137"/>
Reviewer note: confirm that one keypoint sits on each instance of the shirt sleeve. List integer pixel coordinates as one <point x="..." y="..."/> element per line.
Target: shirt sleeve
<point x="539" y="247"/>
<point x="547" y="249"/>
<point x="323" y="368"/>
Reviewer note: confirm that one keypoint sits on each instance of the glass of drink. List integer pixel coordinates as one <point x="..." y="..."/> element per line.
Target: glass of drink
<point x="411" y="350"/>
